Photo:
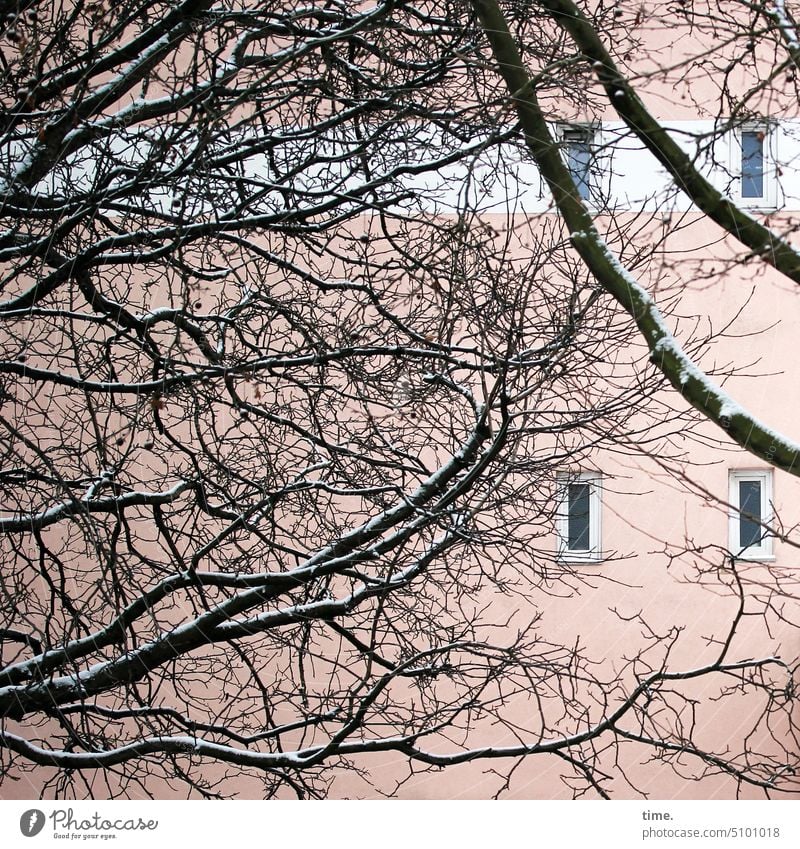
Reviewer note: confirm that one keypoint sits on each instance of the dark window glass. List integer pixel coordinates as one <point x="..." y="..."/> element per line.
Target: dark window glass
<point x="578" y="517"/>
<point x="578" y="149"/>
<point x="752" y="164"/>
<point x="749" y="513"/>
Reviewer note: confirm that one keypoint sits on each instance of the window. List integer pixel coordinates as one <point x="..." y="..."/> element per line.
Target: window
<point x="754" y="165"/>
<point x="579" y="516"/>
<point x="578" y="153"/>
<point x="751" y="509"/>
<point x="752" y="173"/>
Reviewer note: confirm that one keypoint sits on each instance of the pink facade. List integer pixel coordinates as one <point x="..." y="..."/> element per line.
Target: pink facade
<point x="317" y="425"/>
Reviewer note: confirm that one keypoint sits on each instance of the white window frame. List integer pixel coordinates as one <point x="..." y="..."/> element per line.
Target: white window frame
<point x="592" y="133"/>
<point x="762" y="551"/>
<point x="769" y="198"/>
<point x="594" y="553"/>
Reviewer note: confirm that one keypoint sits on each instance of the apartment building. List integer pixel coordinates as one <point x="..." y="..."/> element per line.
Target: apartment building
<point x="333" y="468"/>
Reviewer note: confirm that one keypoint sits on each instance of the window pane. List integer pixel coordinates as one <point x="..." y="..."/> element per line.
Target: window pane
<point x="752" y="164"/>
<point x="750" y="513"/>
<point x="579" y="160"/>
<point x="578" y="517"/>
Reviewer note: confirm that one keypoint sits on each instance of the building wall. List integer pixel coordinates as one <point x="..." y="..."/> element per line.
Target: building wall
<point x="665" y="582"/>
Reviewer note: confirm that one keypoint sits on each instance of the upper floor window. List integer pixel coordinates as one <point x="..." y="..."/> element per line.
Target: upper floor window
<point x="579" y="516"/>
<point x="578" y="146"/>
<point x="751" y="510"/>
<point x="754" y="165"/>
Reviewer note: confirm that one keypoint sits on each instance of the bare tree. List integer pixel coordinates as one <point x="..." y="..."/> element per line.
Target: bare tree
<point x="290" y="377"/>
